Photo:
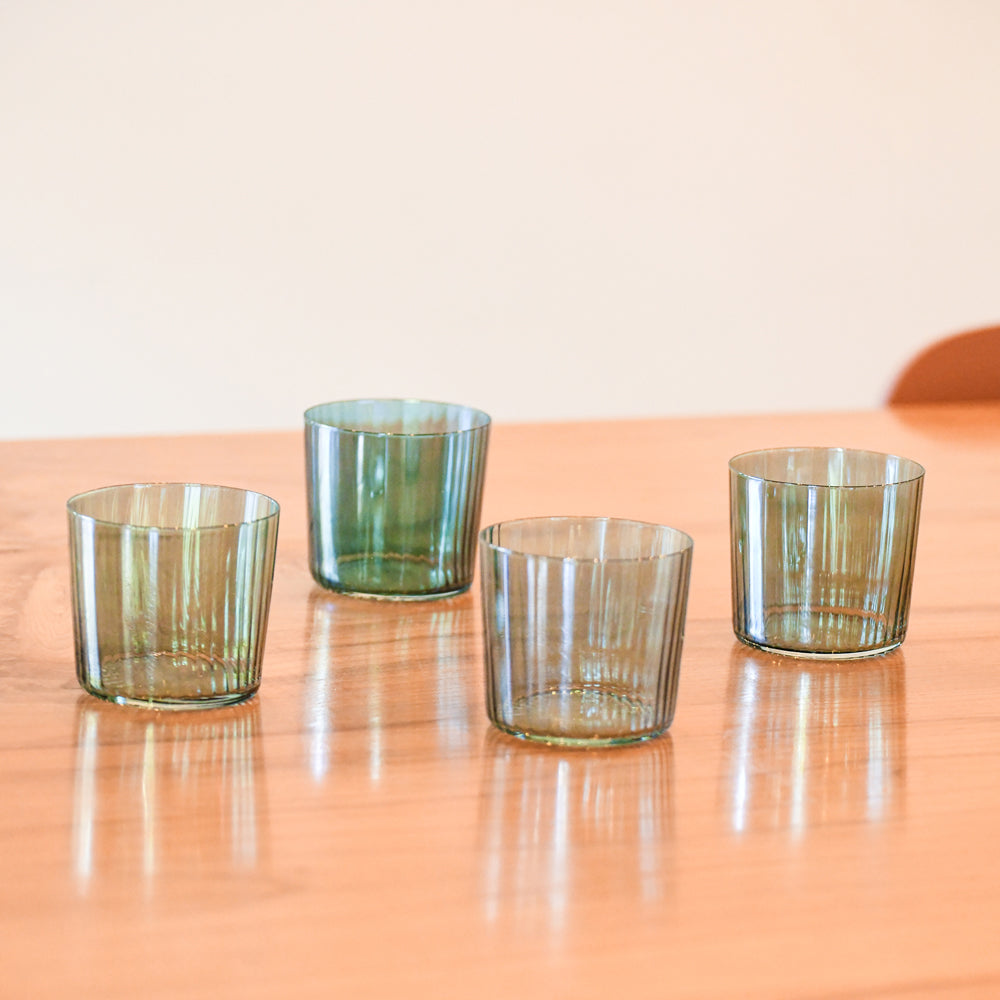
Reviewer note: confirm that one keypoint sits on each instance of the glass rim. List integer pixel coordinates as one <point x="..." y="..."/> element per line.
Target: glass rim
<point x="74" y="502"/>
<point x="481" y="418"/>
<point x="685" y="543"/>
<point x="917" y="470"/>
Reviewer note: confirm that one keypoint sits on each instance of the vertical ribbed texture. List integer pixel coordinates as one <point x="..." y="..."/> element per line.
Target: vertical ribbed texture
<point x="171" y="590"/>
<point x="825" y="569"/>
<point x="395" y="490"/>
<point x="583" y="627"/>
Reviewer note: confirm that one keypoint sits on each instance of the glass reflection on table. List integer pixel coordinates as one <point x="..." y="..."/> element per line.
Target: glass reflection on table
<point x="165" y="796"/>
<point x="376" y="665"/>
<point x="811" y="742"/>
<point x="563" y="827"/>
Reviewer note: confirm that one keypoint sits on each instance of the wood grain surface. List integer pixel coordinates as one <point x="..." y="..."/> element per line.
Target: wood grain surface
<point x="358" y="830"/>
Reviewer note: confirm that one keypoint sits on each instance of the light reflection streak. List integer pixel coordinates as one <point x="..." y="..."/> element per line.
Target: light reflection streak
<point x="561" y="827"/>
<point x="379" y="665"/>
<point x="163" y="795"/>
<point x="811" y="743"/>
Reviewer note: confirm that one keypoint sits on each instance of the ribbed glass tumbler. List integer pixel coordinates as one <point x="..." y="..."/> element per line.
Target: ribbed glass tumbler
<point x="823" y="547"/>
<point x="171" y="586"/>
<point x="583" y="627"/>
<point x="395" y="489"/>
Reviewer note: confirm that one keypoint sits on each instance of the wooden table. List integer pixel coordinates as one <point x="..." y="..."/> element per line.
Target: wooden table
<point x="358" y="830"/>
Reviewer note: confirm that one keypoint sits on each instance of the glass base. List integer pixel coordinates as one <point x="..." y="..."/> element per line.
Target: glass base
<point x="823" y="633"/>
<point x="580" y="717"/>
<point x="580" y="743"/>
<point x="168" y="705"/>
<point x="169" y="680"/>
<point x="391" y="578"/>
<point x="368" y="596"/>
<point x="821" y="654"/>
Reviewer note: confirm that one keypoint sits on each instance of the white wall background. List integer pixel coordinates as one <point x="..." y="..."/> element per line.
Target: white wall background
<point x="216" y="212"/>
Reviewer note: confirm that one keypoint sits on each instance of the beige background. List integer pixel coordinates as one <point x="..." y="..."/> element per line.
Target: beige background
<point x="215" y="213"/>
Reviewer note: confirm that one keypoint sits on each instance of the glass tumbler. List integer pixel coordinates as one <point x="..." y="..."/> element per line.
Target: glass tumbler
<point x="583" y="627"/>
<point x="823" y="546"/>
<point x="171" y="585"/>
<point x="395" y="489"/>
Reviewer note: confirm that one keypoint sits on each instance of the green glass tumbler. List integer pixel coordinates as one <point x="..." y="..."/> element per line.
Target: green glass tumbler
<point x="583" y="626"/>
<point x="394" y="489"/>
<point x="171" y="586"/>
<point x="823" y="547"/>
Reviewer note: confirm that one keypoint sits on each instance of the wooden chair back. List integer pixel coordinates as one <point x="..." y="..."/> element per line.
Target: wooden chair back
<point x="965" y="366"/>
